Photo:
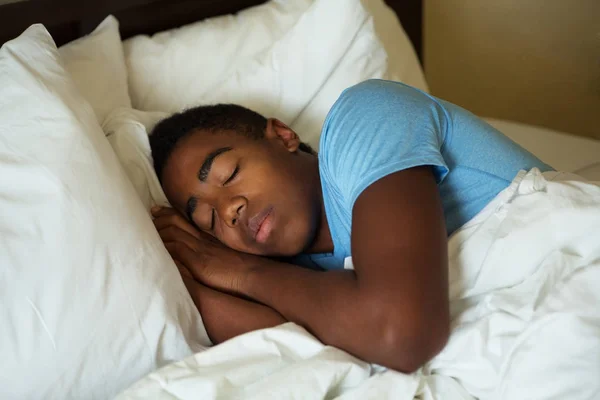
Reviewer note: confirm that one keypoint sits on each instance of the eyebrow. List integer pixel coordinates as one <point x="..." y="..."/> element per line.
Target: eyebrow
<point x="208" y="162"/>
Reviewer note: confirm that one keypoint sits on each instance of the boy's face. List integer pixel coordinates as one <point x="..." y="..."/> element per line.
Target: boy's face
<point x="256" y="196"/>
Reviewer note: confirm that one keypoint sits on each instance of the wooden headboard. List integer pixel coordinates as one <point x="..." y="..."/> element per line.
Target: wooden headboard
<point x="70" y="19"/>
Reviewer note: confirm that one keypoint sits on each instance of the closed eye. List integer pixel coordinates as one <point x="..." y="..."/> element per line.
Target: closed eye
<point x="233" y="175"/>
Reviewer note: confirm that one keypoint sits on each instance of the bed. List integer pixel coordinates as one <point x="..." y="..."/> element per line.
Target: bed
<point x="93" y="306"/>
<point x="68" y="20"/>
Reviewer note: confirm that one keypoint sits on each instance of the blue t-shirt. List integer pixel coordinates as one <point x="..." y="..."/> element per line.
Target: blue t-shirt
<point x="380" y="127"/>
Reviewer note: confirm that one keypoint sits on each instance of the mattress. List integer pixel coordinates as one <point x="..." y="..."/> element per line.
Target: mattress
<point x="561" y="150"/>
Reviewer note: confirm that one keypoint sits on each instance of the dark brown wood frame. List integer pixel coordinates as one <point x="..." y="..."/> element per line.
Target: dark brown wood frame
<point x="70" y="19"/>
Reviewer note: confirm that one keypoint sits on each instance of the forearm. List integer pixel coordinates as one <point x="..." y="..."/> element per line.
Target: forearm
<point x="226" y="316"/>
<point x="367" y="319"/>
<point x="331" y="305"/>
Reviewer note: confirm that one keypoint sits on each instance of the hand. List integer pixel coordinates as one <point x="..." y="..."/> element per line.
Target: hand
<point x="200" y="255"/>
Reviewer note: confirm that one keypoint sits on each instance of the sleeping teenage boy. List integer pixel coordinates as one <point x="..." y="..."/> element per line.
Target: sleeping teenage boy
<point x="397" y="172"/>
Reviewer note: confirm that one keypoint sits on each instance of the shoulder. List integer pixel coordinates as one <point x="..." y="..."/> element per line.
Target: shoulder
<point x="369" y="96"/>
<point x="374" y="91"/>
<point x="379" y="87"/>
<point x="374" y="113"/>
<point x="373" y="104"/>
<point x="378" y="127"/>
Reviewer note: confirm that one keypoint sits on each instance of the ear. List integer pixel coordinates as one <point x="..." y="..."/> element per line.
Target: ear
<point x="277" y="130"/>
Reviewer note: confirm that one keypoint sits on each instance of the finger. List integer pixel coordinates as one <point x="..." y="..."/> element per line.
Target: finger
<point x="183" y="271"/>
<point x="189" y="282"/>
<point x="170" y="218"/>
<point x="175" y="248"/>
<point x="158" y="211"/>
<point x="208" y="237"/>
<point x="182" y="268"/>
<point x="186" y="256"/>
<point x="176" y="219"/>
<point x="175" y="234"/>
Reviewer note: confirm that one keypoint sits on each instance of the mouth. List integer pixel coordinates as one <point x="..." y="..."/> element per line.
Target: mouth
<point x="261" y="225"/>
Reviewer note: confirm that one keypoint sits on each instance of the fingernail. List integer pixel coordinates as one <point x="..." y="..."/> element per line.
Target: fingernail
<point x="155" y="209"/>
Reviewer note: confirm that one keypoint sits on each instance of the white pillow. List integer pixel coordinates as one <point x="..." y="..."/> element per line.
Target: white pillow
<point x="91" y="300"/>
<point x="96" y="63"/>
<point x="296" y="78"/>
<point x="560" y="150"/>
<point x="127" y="132"/>
<point x="188" y="61"/>
<point x="403" y="63"/>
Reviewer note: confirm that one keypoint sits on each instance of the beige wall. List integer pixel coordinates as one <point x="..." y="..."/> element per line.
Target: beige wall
<point x="533" y="61"/>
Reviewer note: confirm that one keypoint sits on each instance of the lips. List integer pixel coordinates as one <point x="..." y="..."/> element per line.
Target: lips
<point x="257" y="221"/>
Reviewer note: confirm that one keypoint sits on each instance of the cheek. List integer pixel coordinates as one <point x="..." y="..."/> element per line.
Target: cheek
<point x="276" y="178"/>
<point x="235" y="241"/>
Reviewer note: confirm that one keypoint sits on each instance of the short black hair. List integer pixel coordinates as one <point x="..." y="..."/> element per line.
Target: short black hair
<point x="214" y="118"/>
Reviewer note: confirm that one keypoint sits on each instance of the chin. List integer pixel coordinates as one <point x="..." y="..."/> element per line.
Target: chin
<point x="286" y="247"/>
<point x="303" y="241"/>
<point x="293" y="238"/>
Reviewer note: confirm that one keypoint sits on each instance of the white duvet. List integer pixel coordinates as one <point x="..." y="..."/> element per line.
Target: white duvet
<point x="525" y="299"/>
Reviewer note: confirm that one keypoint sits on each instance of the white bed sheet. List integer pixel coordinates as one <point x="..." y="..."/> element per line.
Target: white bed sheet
<point x="563" y="151"/>
<point x="524" y="288"/>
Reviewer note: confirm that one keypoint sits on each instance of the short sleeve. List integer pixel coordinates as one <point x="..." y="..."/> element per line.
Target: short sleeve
<point x="377" y="128"/>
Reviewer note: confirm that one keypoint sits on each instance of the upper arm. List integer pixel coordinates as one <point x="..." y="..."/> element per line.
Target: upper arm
<point x="399" y="251"/>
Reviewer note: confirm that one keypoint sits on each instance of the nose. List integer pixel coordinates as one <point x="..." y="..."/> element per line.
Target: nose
<point x="232" y="210"/>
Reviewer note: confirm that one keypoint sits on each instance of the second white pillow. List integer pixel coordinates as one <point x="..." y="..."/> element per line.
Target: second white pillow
<point x="96" y="63"/>
<point x="127" y="131"/>
<point x="285" y="59"/>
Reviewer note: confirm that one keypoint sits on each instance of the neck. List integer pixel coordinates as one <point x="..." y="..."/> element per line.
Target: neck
<point x="322" y="242"/>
